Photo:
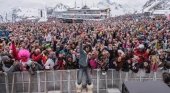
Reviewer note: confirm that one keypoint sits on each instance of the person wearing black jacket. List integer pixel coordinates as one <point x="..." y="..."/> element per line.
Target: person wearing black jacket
<point x="7" y="64"/>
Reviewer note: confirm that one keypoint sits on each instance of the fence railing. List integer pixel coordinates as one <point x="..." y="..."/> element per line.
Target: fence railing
<point x="64" y="81"/>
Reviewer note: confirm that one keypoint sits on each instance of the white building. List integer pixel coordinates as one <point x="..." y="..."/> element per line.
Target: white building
<point x="84" y="13"/>
<point x="161" y="12"/>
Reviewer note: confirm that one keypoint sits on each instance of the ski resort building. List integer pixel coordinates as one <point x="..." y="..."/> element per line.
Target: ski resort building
<point x="84" y="13"/>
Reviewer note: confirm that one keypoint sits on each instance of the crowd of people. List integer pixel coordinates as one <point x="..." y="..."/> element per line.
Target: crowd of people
<point x="123" y="43"/>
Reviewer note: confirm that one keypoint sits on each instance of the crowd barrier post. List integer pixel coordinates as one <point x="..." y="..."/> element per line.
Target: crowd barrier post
<point x="22" y="75"/>
<point x="106" y="82"/>
<point x="45" y="81"/>
<point x="155" y="76"/>
<point x="112" y="78"/>
<point x="38" y="81"/>
<point x="120" y="78"/>
<point x="126" y="76"/>
<point x="140" y="75"/>
<point x="61" y="84"/>
<point x="69" y="89"/>
<point x="6" y="83"/>
<point x="13" y="82"/>
<point x="54" y="79"/>
<point x="98" y="82"/>
<point x="29" y="85"/>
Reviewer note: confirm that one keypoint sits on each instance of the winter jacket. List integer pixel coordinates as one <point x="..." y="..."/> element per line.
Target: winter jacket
<point x="93" y="63"/>
<point x="49" y="64"/>
<point x="37" y="58"/>
<point x="143" y="56"/>
<point x="83" y="60"/>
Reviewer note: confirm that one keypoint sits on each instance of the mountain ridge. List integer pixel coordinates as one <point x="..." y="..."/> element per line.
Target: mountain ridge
<point x="118" y="7"/>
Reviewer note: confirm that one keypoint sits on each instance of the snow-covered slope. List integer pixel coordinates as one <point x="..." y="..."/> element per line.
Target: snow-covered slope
<point x="116" y="8"/>
<point x="153" y="5"/>
<point x="28" y="12"/>
<point x="60" y="7"/>
<point x="120" y="7"/>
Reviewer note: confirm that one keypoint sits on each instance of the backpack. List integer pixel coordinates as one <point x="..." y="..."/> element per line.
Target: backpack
<point x="93" y="63"/>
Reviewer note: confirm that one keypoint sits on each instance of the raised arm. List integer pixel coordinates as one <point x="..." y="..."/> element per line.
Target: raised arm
<point x="14" y="51"/>
<point x="81" y="42"/>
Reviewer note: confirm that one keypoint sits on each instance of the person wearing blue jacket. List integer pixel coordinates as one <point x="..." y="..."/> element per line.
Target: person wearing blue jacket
<point x="83" y="68"/>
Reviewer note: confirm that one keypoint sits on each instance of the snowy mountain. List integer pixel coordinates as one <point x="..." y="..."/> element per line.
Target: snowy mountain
<point x="61" y="7"/>
<point x="153" y="5"/>
<point x="118" y="7"/>
<point x="25" y="13"/>
<point x="121" y="7"/>
<point x="33" y="13"/>
<point x="28" y="12"/>
<point x="148" y="3"/>
<point x="19" y="14"/>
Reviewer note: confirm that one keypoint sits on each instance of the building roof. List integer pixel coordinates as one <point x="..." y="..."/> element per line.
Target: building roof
<point x="92" y="9"/>
<point x="85" y="7"/>
<point x="161" y="12"/>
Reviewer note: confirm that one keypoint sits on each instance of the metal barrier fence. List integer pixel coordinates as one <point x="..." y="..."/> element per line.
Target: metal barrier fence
<point x="64" y="81"/>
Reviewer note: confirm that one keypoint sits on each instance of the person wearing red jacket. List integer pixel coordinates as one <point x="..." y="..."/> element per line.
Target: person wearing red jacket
<point x="60" y="64"/>
<point x="37" y="56"/>
<point x="141" y="54"/>
<point x="142" y="57"/>
<point x="44" y="59"/>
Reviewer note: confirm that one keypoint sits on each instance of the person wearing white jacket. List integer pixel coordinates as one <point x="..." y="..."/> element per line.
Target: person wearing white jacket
<point x="49" y="64"/>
